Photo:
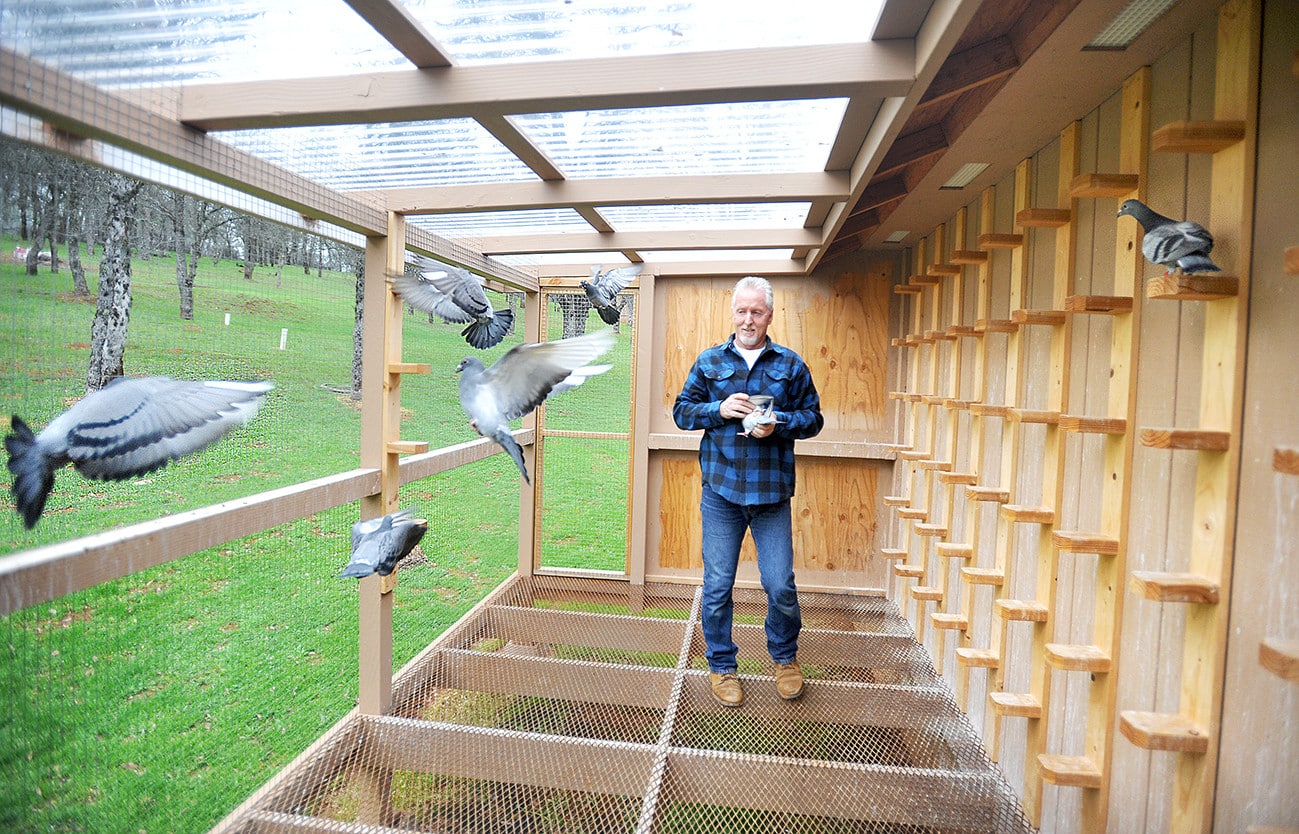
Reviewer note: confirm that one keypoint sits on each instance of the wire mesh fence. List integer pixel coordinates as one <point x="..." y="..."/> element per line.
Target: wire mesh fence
<point x="580" y="705"/>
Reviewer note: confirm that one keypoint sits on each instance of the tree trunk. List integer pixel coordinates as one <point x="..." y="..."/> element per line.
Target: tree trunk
<point x="358" y="330"/>
<point x="113" y="311"/>
<point x="185" y="283"/>
<point x="576" y="309"/>
<point x="79" y="286"/>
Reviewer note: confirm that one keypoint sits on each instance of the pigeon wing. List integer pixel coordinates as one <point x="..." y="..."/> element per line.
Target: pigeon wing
<point x="616" y="280"/>
<point x="524" y="376"/>
<point x="134" y="426"/>
<point x="421" y="293"/>
<point x="465" y="290"/>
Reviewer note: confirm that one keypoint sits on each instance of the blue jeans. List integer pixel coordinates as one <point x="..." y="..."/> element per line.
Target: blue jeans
<point x="724" y="525"/>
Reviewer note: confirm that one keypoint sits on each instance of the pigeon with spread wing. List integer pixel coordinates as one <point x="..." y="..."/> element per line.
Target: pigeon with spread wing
<point x="378" y="544"/>
<point x="603" y="288"/>
<point x="458" y="297"/>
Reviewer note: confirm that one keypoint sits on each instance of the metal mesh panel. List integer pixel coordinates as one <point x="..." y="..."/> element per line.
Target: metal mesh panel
<point x="581" y="705"/>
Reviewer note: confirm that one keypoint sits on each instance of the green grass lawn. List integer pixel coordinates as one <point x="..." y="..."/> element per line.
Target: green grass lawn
<point x="159" y="701"/>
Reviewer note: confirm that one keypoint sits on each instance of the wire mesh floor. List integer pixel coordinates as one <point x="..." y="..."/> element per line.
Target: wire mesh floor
<point x="566" y="705"/>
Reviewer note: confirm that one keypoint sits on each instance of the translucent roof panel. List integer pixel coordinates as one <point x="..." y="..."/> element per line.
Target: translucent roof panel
<point x="732" y="138"/>
<point x="477" y="224"/>
<point x="710" y="215"/>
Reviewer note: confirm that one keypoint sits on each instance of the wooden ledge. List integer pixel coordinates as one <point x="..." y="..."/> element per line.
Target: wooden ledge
<point x="983" y="576"/>
<point x="958" y="478"/>
<point x="931" y="529"/>
<point x="957" y="405"/>
<point x="1077" y="541"/>
<point x="996" y="495"/>
<point x="1044" y="317"/>
<point x="1043" y="218"/>
<point x="1174" y="587"/>
<point x="1015" y="705"/>
<point x="1192" y="287"/>
<point x="918" y="513"/>
<point x="909" y="571"/>
<point x="1163" y="731"/>
<point x="962" y="330"/>
<point x="1027" y="415"/>
<point x="995" y="326"/>
<point x="1093" y="425"/>
<point x="924" y="280"/>
<point x="906" y="289"/>
<point x="1069" y="771"/>
<point x="989" y="410"/>
<point x="956" y="621"/>
<point x="1197" y="137"/>
<point x="1077" y="658"/>
<point x="1023" y="514"/>
<point x="954" y="550"/>
<point x="1098" y="304"/>
<point x="933" y="399"/>
<point x="1200" y="440"/>
<point x="890" y="553"/>
<point x="1280" y="657"/>
<point x="927" y="594"/>
<point x="939" y="336"/>
<point x="409" y="368"/>
<point x="407" y="447"/>
<point x="968" y="256"/>
<point x="993" y="240"/>
<point x="896" y="500"/>
<point x="945" y="270"/>
<point x="1020" y="610"/>
<point x="936" y="465"/>
<point x="978" y="658"/>
<point x="1100" y="186"/>
<point x="914" y="455"/>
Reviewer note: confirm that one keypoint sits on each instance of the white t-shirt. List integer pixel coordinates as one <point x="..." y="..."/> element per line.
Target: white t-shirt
<point x="750" y="354"/>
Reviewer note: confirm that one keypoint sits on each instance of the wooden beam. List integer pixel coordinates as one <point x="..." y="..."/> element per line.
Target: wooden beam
<point x="401" y="29"/>
<point x="674" y="239"/>
<point x="970" y="68"/>
<point x="878" y="68"/>
<point x="913" y="147"/>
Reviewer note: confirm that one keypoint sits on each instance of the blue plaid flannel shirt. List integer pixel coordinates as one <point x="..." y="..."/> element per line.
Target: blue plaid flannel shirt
<point x="749" y="470"/>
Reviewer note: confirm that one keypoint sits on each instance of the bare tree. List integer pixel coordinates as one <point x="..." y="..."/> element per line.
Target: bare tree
<point x="113" y="310"/>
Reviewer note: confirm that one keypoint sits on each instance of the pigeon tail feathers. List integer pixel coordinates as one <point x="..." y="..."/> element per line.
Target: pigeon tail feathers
<point x="489" y="333"/>
<point x="506" y="440"/>
<point x="609" y="315"/>
<point x="33" y="472"/>
<point x="1197" y="263"/>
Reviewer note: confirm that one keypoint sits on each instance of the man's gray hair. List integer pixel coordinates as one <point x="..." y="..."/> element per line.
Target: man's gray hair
<point x="754" y="282"/>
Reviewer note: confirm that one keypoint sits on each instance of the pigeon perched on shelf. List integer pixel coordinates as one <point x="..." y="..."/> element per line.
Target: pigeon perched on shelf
<point x="603" y="289"/>
<point x="1179" y="246"/>
<point x="458" y="297"/>
<point x="378" y="544"/>
<point x="129" y="427"/>
<point x="520" y="380"/>
<point x="763" y="413"/>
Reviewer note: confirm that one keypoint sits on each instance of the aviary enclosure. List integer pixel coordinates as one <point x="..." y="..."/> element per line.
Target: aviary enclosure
<point x="1045" y="543"/>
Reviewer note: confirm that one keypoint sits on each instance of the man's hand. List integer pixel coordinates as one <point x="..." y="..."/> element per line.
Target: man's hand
<point x="735" y="407"/>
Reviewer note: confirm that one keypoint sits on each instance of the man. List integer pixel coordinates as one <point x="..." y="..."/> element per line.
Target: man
<point x="748" y="479"/>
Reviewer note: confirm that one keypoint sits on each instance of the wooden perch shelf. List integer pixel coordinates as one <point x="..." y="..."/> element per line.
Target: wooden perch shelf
<point x="914" y="455"/>
<point x="1075" y="658"/>
<point x="995" y="326"/>
<point x="909" y="571"/>
<point x="1174" y="587"/>
<point x="1280" y="657"/>
<point x="958" y="405"/>
<point x="1200" y="440"/>
<point x="1103" y="185"/>
<point x="1093" y="425"/>
<point x="1045" y="317"/>
<point x="407" y="447"/>
<point x="1098" y="304"/>
<point x="1043" y="218"/>
<point x="989" y="410"/>
<point x="1069" y="771"/>
<point x="925" y="593"/>
<point x="962" y="330"/>
<point x="1024" y="611"/>
<point x="1163" y="731"/>
<point x="1015" y="705"/>
<point x="993" y="240"/>
<point x="1168" y="287"/>
<point x="1028" y="515"/>
<point x="906" y="289"/>
<point x="954" y="550"/>
<point x="995" y="495"/>
<point x="945" y="270"/>
<point x="409" y="368"/>
<point x="983" y="576"/>
<point x="931" y="530"/>
<point x="1074" y="541"/>
<point x="924" y="280"/>
<point x="978" y="658"/>
<point x="891" y="553"/>
<point x="914" y="513"/>
<point x="1028" y="415"/>
<point x="955" y="621"/>
<point x="897" y="500"/>
<point x="958" y="478"/>
<point x="935" y="335"/>
<point x="935" y="465"/>
<point x="1291" y="265"/>
<point x="968" y="256"/>
<point x="1197" y="137"/>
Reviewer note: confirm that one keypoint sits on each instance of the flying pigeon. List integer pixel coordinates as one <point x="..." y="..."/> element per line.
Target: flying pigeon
<point x="763" y="413"/>
<point x="520" y="380"/>
<point x="129" y="427"/>
<point x="1182" y="246"/>
<point x="603" y="289"/>
<point x="458" y="297"/>
<point x="378" y="544"/>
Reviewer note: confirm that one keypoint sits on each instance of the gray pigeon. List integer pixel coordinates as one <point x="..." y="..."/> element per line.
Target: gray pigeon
<point x="458" y="297"/>
<point x="603" y="289"/>
<point x="1181" y="246"/>
<point x="129" y="427"/>
<point x="378" y="544"/>
<point x="521" y="379"/>
<point x="763" y="413"/>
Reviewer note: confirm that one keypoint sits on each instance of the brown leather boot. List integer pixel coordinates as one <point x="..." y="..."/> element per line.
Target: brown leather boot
<point x="727" y="689"/>
<point x="789" y="680"/>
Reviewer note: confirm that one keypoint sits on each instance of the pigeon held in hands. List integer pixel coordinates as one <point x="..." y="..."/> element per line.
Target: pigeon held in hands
<point x="455" y="295"/>
<point x="762" y="414"/>
<point x="603" y="288"/>
<point x="129" y="427"/>
<point x="522" y="379"/>
<point x="378" y="544"/>
<point x="1176" y="245"/>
